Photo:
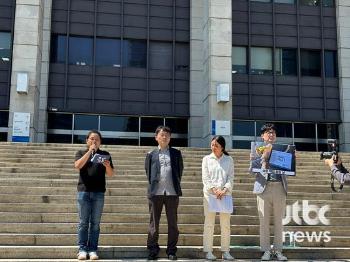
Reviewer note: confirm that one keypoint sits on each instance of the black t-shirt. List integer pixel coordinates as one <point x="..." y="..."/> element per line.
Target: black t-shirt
<point x="92" y="176"/>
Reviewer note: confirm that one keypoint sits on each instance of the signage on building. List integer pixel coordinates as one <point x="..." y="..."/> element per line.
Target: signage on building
<point x="21" y="127"/>
<point x="220" y="128"/>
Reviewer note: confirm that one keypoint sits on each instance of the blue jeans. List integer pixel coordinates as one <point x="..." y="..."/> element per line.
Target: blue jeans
<point x="90" y="206"/>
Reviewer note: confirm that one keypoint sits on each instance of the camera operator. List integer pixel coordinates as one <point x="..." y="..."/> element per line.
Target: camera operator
<point x="339" y="172"/>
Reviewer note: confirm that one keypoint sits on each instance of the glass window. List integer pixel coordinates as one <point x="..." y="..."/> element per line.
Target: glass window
<point x="328" y="3"/>
<point x="119" y="123"/>
<point x="148" y="141"/>
<point x="150" y="124"/>
<point x="302" y="130"/>
<point x="310" y="63"/>
<point x="305" y="146"/>
<point x="85" y="122"/>
<point x="160" y="56"/>
<point x="327" y="131"/>
<point x="310" y="2"/>
<point x="5" y="46"/>
<point x="286" y="61"/>
<point x="4" y="118"/>
<point x="330" y="63"/>
<point x="265" y="1"/>
<point x="285" y="1"/>
<point x="108" y="52"/>
<point x="60" y="121"/>
<point x="3" y="136"/>
<point x="57" y="138"/>
<point x="120" y="141"/>
<point x="182" y="57"/>
<point x="177" y="125"/>
<point x="243" y="128"/>
<point x="179" y="142"/>
<point x="241" y="144"/>
<point x="79" y="139"/>
<point x="261" y="61"/>
<point x="58" y="49"/>
<point x="134" y="53"/>
<point x="283" y="129"/>
<point x="80" y="50"/>
<point x="239" y="60"/>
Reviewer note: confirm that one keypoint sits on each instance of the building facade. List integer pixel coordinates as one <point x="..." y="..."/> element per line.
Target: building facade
<point x="199" y="66"/>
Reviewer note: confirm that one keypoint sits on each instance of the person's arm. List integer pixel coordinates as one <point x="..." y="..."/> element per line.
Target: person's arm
<point x="181" y="165"/>
<point x="147" y="166"/>
<point x="341" y="175"/>
<point x="208" y="186"/>
<point x="109" y="168"/>
<point x="79" y="163"/>
<point x="230" y="175"/>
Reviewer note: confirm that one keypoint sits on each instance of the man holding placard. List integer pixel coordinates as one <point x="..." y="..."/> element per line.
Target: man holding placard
<point x="270" y="163"/>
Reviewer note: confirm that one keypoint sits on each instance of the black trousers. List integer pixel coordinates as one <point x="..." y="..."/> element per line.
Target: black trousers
<point x="171" y="204"/>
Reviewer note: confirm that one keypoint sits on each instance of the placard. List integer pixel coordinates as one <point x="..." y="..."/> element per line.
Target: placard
<point x="281" y="160"/>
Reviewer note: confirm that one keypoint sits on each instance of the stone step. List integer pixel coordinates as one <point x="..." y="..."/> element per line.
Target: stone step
<point x="139" y="209"/>
<point x="140" y="176"/>
<point x="140" y="239"/>
<point x="139" y="253"/>
<point x="20" y="217"/>
<point x="142" y="200"/>
<point x="119" y="182"/>
<point x="131" y="192"/>
<point x="142" y="227"/>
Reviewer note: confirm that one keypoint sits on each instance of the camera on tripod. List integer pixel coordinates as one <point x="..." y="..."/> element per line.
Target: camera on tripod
<point x="332" y="150"/>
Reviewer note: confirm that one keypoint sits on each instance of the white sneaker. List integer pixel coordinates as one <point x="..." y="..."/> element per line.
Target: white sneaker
<point x="93" y="256"/>
<point x="210" y="256"/>
<point x="280" y="256"/>
<point x="266" y="256"/>
<point x="227" y="256"/>
<point x="82" y="255"/>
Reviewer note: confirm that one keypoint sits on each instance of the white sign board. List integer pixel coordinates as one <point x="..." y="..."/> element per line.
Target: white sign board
<point x="21" y="127"/>
<point x="221" y="128"/>
<point x="22" y="82"/>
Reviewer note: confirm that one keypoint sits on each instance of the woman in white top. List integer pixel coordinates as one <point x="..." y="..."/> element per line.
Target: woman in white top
<point x="217" y="176"/>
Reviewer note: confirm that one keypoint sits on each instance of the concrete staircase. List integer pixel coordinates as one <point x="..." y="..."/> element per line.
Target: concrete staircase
<point x="38" y="213"/>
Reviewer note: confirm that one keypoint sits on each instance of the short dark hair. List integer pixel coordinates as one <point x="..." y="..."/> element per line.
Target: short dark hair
<point x="93" y="131"/>
<point x="164" y="129"/>
<point x="267" y="127"/>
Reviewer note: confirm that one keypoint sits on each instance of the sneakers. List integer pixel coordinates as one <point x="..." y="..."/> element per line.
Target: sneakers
<point x="227" y="256"/>
<point x="93" y="256"/>
<point x="280" y="256"/>
<point x="266" y="256"/>
<point x="82" y="255"/>
<point x="210" y="256"/>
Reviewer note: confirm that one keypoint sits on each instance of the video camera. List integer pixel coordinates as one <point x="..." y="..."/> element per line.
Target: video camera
<point x="332" y="150"/>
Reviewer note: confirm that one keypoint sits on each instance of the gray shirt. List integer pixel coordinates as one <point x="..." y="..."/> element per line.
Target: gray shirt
<point x="165" y="184"/>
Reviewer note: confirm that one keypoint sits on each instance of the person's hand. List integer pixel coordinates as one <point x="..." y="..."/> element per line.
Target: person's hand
<point x="93" y="148"/>
<point x="329" y="162"/>
<point x="106" y="163"/>
<point x="221" y="193"/>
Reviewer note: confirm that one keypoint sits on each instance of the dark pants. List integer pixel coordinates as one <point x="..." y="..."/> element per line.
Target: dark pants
<point x="155" y="209"/>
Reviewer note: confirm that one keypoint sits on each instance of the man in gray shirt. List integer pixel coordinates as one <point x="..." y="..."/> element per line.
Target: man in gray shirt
<point x="164" y="166"/>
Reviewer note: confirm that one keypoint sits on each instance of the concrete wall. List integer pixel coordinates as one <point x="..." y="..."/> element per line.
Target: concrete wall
<point x="343" y="28"/>
<point x="211" y="46"/>
<point x="28" y="51"/>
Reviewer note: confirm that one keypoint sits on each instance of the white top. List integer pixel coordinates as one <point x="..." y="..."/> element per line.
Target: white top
<point x="217" y="172"/>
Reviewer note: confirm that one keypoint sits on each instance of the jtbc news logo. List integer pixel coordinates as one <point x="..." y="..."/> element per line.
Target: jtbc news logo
<point x="311" y="215"/>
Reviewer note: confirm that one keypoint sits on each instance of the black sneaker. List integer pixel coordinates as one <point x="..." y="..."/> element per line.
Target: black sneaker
<point x="152" y="256"/>
<point x="172" y="257"/>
